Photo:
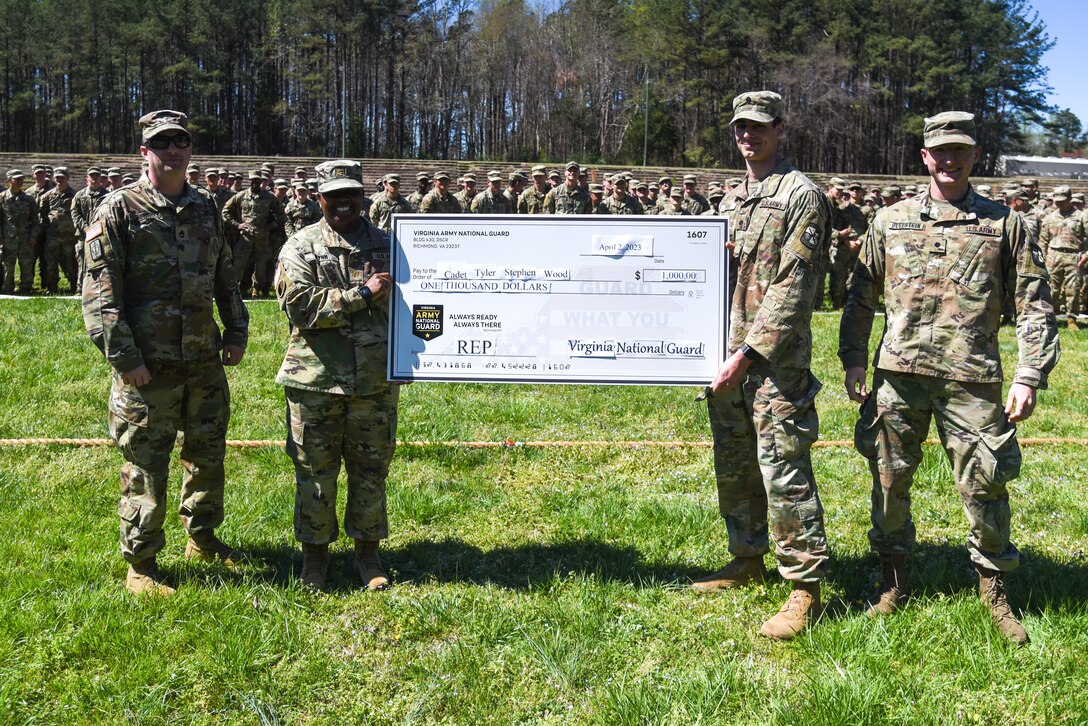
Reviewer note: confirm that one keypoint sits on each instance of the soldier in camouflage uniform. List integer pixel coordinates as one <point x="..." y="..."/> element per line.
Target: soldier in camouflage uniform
<point x="333" y="285"/>
<point x="1063" y="240"/>
<point x="532" y="199"/>
<point x="220" y="194"/>
<point x="491" y="200"/>
<point x="620" y="201"/>
<point x="515" y="185"/>
<point x="762" y="402"/>
<point x="942" y="262"/>
<point x="302" y="211"/>
<point x="568" y="197"/>
<point x="84" y="206"/>
<point x="56" y="217"/>
<point x="254" y="214"/>
<point x="439" y="200"/>
<point x="391" y="204"/>
<point x="18" y="231"/>
<point x="423" y="185"/>
<point x="596" y="199"/>
<point x="466" y="193"/>
<point x="715" y="197"/>
<point x="848" y="228"/>
<point x="694" y="202"/>
<point x="155" y="262"/>
<point x="676" y="204"/>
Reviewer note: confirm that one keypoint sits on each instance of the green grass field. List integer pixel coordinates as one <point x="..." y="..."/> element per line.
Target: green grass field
<point x="532" y="585"/>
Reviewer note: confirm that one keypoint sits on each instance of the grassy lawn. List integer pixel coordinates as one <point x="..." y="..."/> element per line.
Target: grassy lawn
<point x="532" y="585"/>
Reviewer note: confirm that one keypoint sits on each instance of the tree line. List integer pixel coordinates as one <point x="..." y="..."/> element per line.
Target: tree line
<point x="598" y="81"/>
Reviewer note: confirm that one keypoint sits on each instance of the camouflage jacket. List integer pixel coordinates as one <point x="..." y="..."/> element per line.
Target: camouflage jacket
<point x="780" y="232"/>
<point x="1063" y="232"/>
<point x="84" y="206"/>
<point x="670" y="212"/>
<point x="300" y="214"/>
<point x="487" y="203"/>
<point x="415" y="199"/>
<point x="56" y="211"/>
<point x="435" y="203"/>
<point x="151" y="272"/>
<point x="944" y="271"/>
<point x="531" y="201"/>
<point x="463" y="198"/>
<point x="221" y="196"/>
<point x="627" y="205"/>
<point x="38" y="192"/>
<point x="696" y="203"/>
<point x="561" y="200"/>
<point x="19" y="214"/>
<point x="262" y="211"/>
<point x="384" y="209"/>
<point x="338" y="341"/>
<point x="849" y="215"/>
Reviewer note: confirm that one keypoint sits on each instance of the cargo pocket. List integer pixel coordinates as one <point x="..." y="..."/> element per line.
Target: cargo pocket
<point x="796" y="423"/>
<point x="867" y="429"/>
<point x="132" y="514"/>
<point x="296" y="427"/>
<point x="128" y="406"/>
<point x="997" y="457"/>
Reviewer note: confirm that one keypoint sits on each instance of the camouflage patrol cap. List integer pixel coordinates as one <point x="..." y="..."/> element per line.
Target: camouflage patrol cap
<point x="113" y="171"/>
<point x="854" y="185"/>
<point x="1009" y="192"/>
<point x="156" y="122"/>
<point x="494" y="175"/>
<point x="690" y="178"/>
<point x="950" y="127"/>
<point x="1029" y="182"/>
<point x="1077" y="197"/>
<point x="596" y="188"/>
<point x="715" y="193"/>
<point x="761" y="106"/>
<point x="640" y="185"/>
<point x="15" y="174"/>
<point x="127" y="179"/>
<point x="265" y="174"/>
<point x="94" y="171"/>
<point x="268" y="165"/>
<point x="554" y="174"/>
<point x="469" y="177"/>
<point x="340" y="174"/>
<point x="676" y="193"/>
<point x="665" y="180"/>
<point x="524" y="173"/>
<point x="60" y="171"/>
<point x="392" y="179"/>
<point x="837" y="181"/>
<point x="441" y="175"/>
<point x="253" y="175"/>
<point x="423" y="176"/>
<point x="518" y="176"/>
<point x="608" y="177"/>
<point x="889" y="191"/>
<point x="281" y="184"/>
<point x="540" y="170"/>
<point x="300" y="170"/>
<point x="572" y="165"/>
<point x="985" y="191"/>
<point x="734" y="183"/>
<point x="191" y="167"/>
<point x="1060" y="194"/>
<point x="460" y="180"/>
<point x="34" y="169"/>
<point x="311" y="184"/>
<point x="1021" y="193"/>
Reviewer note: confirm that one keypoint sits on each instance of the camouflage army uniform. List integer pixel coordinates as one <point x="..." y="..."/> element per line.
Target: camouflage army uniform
<point x="842" y="257"/>
<point x="60" y="235"/>
<point x="1062" y="239"/>
<point x="151" y="272"/>
<point x="253" y="250"/>
<point x="435" y="203"/>
<point x="696" y="203"/>
<point x="487" y="203"/>
<point x="763" y="429"/>
<point x="301" y="214"/>
<point x="464" y="200"/>
<point x="339" y="404"/>
<point x="531" y="201"/>
<point x="84" y="206"/>
<point x="627" y="205"/>
<point x="221" y="196"/>
<point x="561" y="200"/>
<point x="669" y="211"/>
<point x="943" y="270"/>
<point x="415" y="199"/>
<point x="383" y="210"/>
<point x="18" y="230"/>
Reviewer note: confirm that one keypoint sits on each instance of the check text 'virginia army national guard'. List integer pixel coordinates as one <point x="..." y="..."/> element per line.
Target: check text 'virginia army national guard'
<point x="155" y="261"/>
<point x="762" y="402"/>
<point x="333" y="285"/>
<point x="943" y="262"/>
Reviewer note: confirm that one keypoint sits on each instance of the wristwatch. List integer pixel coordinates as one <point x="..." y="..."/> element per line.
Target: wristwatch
<point x="750" y="353"/>
<point x="366" y="293"/>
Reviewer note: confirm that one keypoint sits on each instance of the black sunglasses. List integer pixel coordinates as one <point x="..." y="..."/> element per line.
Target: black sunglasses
<point x="162" y="143"/>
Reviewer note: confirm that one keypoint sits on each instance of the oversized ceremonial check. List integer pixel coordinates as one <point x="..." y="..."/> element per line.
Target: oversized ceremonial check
<point x="558" y="299"/>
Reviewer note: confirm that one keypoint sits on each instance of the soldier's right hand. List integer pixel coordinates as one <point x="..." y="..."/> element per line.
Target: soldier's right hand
<point x="380" y="284"/>
<point x="138" y="376"/>
<point x="855" y="385"/>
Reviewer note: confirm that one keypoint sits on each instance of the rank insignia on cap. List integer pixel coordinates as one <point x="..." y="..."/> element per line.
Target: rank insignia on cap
<point x="95" y="230"/>
<point x="338" y="171"/>
<point x="810" y="236"/>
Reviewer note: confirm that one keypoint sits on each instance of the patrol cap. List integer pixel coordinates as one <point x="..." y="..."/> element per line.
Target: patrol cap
<point x="761" y="106"/>
<point x="460" y="180"/>
<point x="61" y="171"/>
<point x="281" y="184"/>
<point x="607" y="177"/>
<point x="211" y="171"/>
<point x="554" y="174"/>
<point x="1021" y="193"/>
<point x="715" y="193"/>
<point x="15" y="174"/>
<point x="128" y="179"/>
<point x="690" y="178"/>
<point x="469" y="177"/>
<point x="340" y="174"/>
<point x="596" y="188"/>
<point x="253" y="175"/>
<point x="837" y="181"/>
<point x="94" y="171"/>
<point x="494" y="175"/>
<point x="36" y="168"/>
<point x="1029" y="182"/>
<point x="734" y="183"/>
<point x="441" y="175"/>
<point x="311" y="184"/>
<point x="423" y="176"/>
<point x="300" y="170"/>
<point x="854" y="185"/>
<point x="984" y="190"/>
<point x="392" y="179"/>
<point x="950" y="127"/>
<point x="267" y="165"/>
<point x="518" y="176"/>
<point x="572" y="165"/>
<point x="191" y="167"/>
<point x="665" y="180"/>
<point x="540" y="170"/>
<point x="1009" y="192"/>
<point x="641" y="185"/>
<point x="1060" y="194"/>
<point x="676" y="193"/>
<point x="888" y="191"/>
<point x="116" y="171"/>
<point x="157" y="122"/>
<point x="1077" y="196"/>
<point x="265" y="173"/>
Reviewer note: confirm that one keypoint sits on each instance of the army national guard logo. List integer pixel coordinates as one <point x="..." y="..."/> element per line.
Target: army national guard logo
<point x="427" y="321"/>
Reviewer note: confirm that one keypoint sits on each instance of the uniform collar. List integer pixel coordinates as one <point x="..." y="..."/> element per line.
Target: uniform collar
<point x="768" y="186"/>
<point x="188" y="194"/>
<point x="331" y="238"/>
<point x="967" y="208"/>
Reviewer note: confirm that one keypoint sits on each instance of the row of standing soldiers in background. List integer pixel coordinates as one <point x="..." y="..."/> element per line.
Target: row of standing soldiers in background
<point x="260" y="212"/>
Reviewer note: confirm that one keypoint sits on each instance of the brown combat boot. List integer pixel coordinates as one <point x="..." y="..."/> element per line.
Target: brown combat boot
<point x="802" y="606"/>
<point x="991" y="584"/>
<point x="891" y="592"/>
<point x="740" y="571"/>
<point x="369" y="565"/>
<point x="315" y="566"/>
<point x="144" y="578"/>
<point x="1072" y="323"/>
<point x="204" y="545"/>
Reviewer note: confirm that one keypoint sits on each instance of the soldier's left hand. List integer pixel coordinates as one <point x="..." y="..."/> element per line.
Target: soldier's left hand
<point x="1082" y="261"/>
<point x="731" y="373"/>
<point x="1021" y="402"/>
<point x="232" y="354"/>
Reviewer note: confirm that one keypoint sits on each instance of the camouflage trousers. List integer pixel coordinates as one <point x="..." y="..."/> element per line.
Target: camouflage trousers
<point x="187" y="397"/>
<point x="58" y="256"/>
<point x="254" y="262"/>
<point x="322" y="430"/>
<point x="18" y="250"/>
<point x="981" y="447"/>
<point x="1064" y="280"/>
<point x="763" y="431"/>
<point x="841" y="265"/>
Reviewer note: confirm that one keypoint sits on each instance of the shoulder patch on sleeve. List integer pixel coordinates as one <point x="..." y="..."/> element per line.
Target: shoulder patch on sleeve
<point x="811" y="236"/>
<point x="95" y="230"/>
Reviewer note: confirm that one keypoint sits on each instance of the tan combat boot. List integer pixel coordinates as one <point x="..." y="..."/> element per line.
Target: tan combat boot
<point x="369" y="565"/>
<point x="739" y="572"/>
<point x="802" y="606"/>
<point x="892" y="590"/>
<point x="204" y="545"/>
<point x="315" y="566"/>
<point x="1072" y="323"/>
<point x="144" y="578"/>
<point x="991" y="584"/>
